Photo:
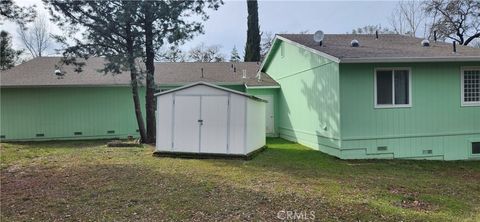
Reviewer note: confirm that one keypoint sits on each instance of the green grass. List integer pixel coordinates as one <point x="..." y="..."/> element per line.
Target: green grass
<point x="85" y="180"/>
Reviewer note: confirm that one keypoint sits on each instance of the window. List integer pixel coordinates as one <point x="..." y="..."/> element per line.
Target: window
<point x="471" y="86"/>
<point x="392" y="88"/>
<point x="476" y="148"/>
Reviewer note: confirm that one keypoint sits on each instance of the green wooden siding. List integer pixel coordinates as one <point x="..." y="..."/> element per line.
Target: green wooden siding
<point x="308" y="102"/>
<point x="61" y="111"/>
<point x="436" y="121"/>
<point x="330" y="107"/>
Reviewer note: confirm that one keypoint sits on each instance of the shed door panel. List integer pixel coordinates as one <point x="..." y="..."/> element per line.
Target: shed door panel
<point x="214" y="131"/>
<point x="186" y="127"/>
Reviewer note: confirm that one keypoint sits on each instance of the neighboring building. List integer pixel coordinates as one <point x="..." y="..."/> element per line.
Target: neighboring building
<point x="37" y="104"/>
<point x="389" y="97"/>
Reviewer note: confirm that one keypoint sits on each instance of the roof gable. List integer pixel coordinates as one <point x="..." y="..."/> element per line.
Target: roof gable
<point x="387" y="48"/>
<point x="209" y="85"/>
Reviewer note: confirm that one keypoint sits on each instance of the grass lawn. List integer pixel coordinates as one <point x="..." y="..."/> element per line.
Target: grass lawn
<point x="84" y="180"/>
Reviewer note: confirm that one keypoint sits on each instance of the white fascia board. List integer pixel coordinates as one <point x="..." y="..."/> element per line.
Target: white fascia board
<point x="333" y="58"/>
<point x="266" y="57"/>
<point x="411" y="59"/>
<point x="210" y="85"/>
<point x="261" y="87"/>
<point x="328" y="56"/>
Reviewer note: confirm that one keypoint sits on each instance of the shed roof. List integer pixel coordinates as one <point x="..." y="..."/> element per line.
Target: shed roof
<point x="387" y="48"/>
<point x="209" y="85"/>
<point x="40" y="72"/>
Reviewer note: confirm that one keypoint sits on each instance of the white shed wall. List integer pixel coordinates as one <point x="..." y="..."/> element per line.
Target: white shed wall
<point x="164" y="122"/>
<point x="241" y="112"/>
<point x="255" y="125"/>
<point x="237" y="124"/>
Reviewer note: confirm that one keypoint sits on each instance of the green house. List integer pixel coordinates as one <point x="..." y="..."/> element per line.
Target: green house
<point x="43" y="100"/>
<point x="386" y="96"/>
<point x="351" y="96"/>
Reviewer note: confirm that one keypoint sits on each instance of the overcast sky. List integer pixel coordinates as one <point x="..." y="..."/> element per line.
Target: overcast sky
<point x="228" y="26"/>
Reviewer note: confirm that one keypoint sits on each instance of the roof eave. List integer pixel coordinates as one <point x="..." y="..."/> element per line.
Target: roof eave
<point x="278" y="37"/>
<point x="410" y="59"/>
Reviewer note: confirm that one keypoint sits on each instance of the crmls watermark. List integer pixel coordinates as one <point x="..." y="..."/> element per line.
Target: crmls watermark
<point x="296" y="215"/>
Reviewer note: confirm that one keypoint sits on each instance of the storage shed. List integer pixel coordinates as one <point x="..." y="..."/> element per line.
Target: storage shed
<point x="205" y="119"/>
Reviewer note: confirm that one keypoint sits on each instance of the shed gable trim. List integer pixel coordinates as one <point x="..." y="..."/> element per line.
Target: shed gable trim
<point x="209" y="85"/>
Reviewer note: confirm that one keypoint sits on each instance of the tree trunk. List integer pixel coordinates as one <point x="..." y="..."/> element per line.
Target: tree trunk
<point x="134" y="83"/>
<point x="252" y="47"/>
<point x="150" y="66"/>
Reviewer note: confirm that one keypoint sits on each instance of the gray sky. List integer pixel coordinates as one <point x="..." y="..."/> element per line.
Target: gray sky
<point x="228" y="26"/>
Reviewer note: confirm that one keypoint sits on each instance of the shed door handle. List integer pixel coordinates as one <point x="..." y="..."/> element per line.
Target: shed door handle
<point x="200" y="121"/>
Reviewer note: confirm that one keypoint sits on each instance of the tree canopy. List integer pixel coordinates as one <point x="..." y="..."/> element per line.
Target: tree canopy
<point x="252" y="47"/>
<point x="8" y="56"/>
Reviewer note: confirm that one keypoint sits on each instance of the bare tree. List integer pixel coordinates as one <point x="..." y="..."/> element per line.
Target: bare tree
<point x="476" y="43"/>
<point x="372" y="29"/>
<point x="458" y="20"/>
<point x="408" y="18"/>
<point x="173" y="54"/>
<point x="203" y="53"/>
<point x="265" y="44"/>
<point x="36" y="38"/>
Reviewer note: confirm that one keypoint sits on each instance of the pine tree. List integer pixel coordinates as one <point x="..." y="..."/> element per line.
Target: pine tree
<point x="109" y="29"/>
<point x="9" y="10"/>
<point x="235" y="57"/>
<point x="165" y="21"/>
<point x="8" y="56"/>
<point x="125" y="31"/>
<point x="252" y="47"/>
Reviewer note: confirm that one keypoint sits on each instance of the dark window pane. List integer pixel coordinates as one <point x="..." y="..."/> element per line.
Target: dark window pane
<point x="476" y="148"/>
<point x="401" y="87"/>
<point x="384" y="87"/>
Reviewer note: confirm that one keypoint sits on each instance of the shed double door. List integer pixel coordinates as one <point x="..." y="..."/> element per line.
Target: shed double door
<point x="201" y="124"/>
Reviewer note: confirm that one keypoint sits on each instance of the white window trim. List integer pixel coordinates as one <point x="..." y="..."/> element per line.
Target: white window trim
<point x="379" y="106"/>
<point x="462" y="86"/>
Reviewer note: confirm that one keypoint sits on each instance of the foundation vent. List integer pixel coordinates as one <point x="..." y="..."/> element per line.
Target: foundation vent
<point x="2" y="136"/>
<point x="40" y="135"/>
<point x="382" y="148"/>
<point x="77" y="133"/>
<point x="111" y="131"/>
<point x="425" y="152"/>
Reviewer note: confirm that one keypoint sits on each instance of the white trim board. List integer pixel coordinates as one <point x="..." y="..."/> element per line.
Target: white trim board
<point x="393" y="105"/>
<point x="453" y="58"/>
<point x="462" y="86"/>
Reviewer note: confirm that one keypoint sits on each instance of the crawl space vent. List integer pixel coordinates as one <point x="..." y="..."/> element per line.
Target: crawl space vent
<point x="2" y="136"/>
<point x="40" y="135"/>
<point x="382" y="148"/>
<point x="111" y="131"/>
<point x="77" y="133"/>
<point x="427" y="152"/>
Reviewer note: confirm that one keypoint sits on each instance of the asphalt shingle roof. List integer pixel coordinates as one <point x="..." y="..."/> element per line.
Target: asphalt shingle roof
<point x="40" y="72"/>
<point x="386" y="46"/>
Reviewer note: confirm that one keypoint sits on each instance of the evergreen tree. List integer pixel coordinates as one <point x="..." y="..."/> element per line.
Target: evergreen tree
<point x="167" y="21"/>
<point x="8" y="56"/>
<point x="11" y="11"/>
<point x="234" y="57"/>
<point x="125" y="31"/>
<point x="252" y="47"/>
<point x="109" y="29"/>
